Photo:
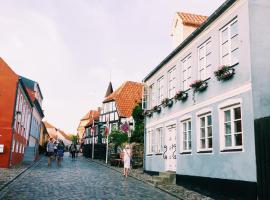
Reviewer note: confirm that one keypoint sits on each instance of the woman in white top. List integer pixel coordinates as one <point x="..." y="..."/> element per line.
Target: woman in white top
<point x="127" y="158"/>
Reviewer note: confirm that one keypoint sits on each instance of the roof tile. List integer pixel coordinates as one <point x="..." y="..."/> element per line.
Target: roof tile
<point x="192" y="19"/>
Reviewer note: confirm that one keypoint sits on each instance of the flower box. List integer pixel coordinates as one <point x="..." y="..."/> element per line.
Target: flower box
<point x="224" y="73"/>
<point x="156" y="109"/>
<point x="167" y="102"/>
<point x="181" y="96"/>
<point x="199" y="85"/>
<point x="148" y="113"/>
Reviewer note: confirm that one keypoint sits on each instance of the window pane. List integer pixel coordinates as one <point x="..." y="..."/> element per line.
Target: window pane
<point x="225" y="48"/>
<point x="235" y="56"/>
<point x="234" y="43"/>
<point x="237" y="113"/>
<point x="203" y="122"/>
<point x="226" y="60"/>
<point x="189" y="135"/>
<point x="208" y="48"/>
<point x="209" y="131"/>
<point x="209" y="142"/>
<point x="189" y="145"/>
<point x="228" y="128"/>
<point x="203" y="143"/>
<point x="237" y="126"/>
<point x="201" y="52"/>
<point x="184" y="126"/>
<point x="185" y="146"/>
<point x="209" y="120"/>
<point x="185" y="136"/>
<point x="189" y="125"/>
<point x="234" y="29"/>
<point x="224" y="35"/>
<point x="202" y="132"/>
<point x="227" y="116"/>
<point x="228" y="141"/>
<point x="238" y="139"/>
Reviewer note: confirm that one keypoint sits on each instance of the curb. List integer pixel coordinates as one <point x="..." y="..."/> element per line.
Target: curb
<point x="18" y="175"/>
<point x="153" y="185"/>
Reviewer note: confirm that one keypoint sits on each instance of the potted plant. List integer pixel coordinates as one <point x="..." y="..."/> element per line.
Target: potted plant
<point x="181" y="96"/>
<point x="224" y="72"/>
<point x="167" y="102"/>
<point x="148" y="113"/>
<point x="157" y="109"/>
<point x="199" y="85"/>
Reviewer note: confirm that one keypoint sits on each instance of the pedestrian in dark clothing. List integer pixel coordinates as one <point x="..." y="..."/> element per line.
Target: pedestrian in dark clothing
<point x="73" y="150"/>
<point x="60" y="152"/>
<point x="50" y="151"/>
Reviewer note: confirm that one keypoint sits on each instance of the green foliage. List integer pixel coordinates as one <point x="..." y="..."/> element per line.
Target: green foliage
<point x="138" y="133"/>
<point x="118" y="137"/>
<point x="74" y="139"/>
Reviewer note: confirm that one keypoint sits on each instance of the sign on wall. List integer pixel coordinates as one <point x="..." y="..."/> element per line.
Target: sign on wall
<point x="1" y="148"/>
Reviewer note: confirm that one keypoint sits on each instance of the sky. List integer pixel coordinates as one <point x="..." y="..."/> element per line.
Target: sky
<point x="74" y="48"/>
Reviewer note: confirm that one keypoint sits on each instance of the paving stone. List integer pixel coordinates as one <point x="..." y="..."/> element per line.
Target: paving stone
<point x="79" y="179"/>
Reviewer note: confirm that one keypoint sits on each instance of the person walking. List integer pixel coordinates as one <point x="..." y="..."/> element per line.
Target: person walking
<point x="55" y="149"/>
<point x="127" y="159"/>
<point x="73" y="150"/>
<point x="50" y="151"/>
<point x="60" y="152"/>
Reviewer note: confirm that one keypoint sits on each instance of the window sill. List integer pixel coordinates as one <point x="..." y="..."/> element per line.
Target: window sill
<point x="158" y="154"/>
<point x="232" y="150"/>
<point x="186" y="152"/>
<point x="149" y="154"/>
<point x="205" y="151"/>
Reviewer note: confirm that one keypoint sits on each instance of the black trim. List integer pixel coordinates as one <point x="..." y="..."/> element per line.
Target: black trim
<point x="158" y="154"/>
<point x="221" y="189"/>
<point x="185" y="153"/>
<point x="231" y="150"/>
<point x="192" y="36"/>
<point x="151" y="173"/>
<point x="202" y="151"/>
<point x="149" y="154"/>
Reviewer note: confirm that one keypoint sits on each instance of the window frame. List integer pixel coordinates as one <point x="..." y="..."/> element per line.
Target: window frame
<point x="206" y="56"/>
<point x="160" y="89"/>
<point x="206" y="137"/>
<point x="182" y="141"/>
<point x="172" y="82"/>
<point x="160" y="139"/>
<point x="229" y="40"/>
<point x="222" y="110"/>
<point x="186" y="70"/>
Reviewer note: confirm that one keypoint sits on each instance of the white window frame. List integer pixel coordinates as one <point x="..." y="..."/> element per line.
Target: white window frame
<point x="149" y="141"/>
<point x="171" y="82"/>
<point x="152" y="97"/>
<point x="205" y="127"/>
<point x="230" y="105"/>
<point x="187" y="131"/>
<point x="230" y="37"/>
<point x="160" y="139"/>
<point x="160" y="89"/>
<point x="186" y="72"/>
<point x="204" y="68"/>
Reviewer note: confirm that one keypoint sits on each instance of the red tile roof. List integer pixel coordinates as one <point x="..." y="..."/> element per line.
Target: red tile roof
<point x="192" y="19"/>
<point x="94" y="115"/>
<point x="53" y="134"/>
<point x="126" y="97"/>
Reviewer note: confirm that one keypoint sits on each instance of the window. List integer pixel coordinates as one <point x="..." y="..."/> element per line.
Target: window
<point x="149" y="141"/>
<point x="159" y="135"/>
<point x="186" y="72"/>
<point x="186" y="136"/>
<point x="154" y="143"/>
<point x="171" y="82"/>
<point x="152" y="100"/>
<point x="229" y="43"/>
<point x="206" y="136"/>
<point x="204" y="64"/>
<point x="160" y="89"/>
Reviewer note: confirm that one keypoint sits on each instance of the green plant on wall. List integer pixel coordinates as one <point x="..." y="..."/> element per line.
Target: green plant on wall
<point x="138" y="116"/>
<point x="117" y="137"/>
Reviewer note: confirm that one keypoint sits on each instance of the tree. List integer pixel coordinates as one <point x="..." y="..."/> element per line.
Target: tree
<point x="117" y="137"/>
<point x="138" y="133"/>
<point x="74" y="139"/>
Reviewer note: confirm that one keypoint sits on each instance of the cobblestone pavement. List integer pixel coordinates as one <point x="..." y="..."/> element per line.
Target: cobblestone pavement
<point x="79" y="179"/>
<point x="176" y="190"/>
<point x="7" y="175"/>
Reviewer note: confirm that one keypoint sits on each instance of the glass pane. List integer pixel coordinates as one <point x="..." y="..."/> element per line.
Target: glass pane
<point x="201" y="63"/>
<point x="201" y="52"/>
<point x="237" y="126"/>
<point x="189" y="125"/>
<point x="202" y="132"/>
<point x="208" y="48"/>
<point x="210" y="143"/>
<point x="235" y="56"/>
<point x="185" y="136"/>
<point x="226" y="60"/>
<point x="234" y="29"/>
<point x="189" y="135"/>
<point x="209" y="129"/>
<point x="224" y="35"/>
<point x="203" y="122"/>
<point x="225" y="48"/>
<point x="237" y="113"/>
<point x="228" y="128"/>
<point x="228" y="141"/>
<point x="227" y="116"/>
<point x="185" y="146"/>
<point x="189" y="145"/>
<point x="203" y="143"/>
<point x="185" y="126"/>
<point x="238" y="139"/>
<point x="209" y="120"/>
<point x="234" y="43"/>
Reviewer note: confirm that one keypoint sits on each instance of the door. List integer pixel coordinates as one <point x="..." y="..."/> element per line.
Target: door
<point x="170" y="148"/>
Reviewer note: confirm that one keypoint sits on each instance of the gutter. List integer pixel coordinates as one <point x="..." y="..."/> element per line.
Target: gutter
<point x="192" y="36"/>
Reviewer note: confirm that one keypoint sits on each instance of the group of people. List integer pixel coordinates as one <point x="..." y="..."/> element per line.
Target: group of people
<point x="55" y="150"/>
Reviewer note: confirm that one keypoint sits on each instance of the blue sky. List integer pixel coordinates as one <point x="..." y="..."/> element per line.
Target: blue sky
<point x="71" y="47"/>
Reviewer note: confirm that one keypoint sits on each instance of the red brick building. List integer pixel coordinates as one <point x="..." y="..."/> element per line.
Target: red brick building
<point x="16" y="108"/>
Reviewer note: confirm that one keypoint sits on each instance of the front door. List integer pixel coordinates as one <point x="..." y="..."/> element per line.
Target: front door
<point x="170" y="148"/>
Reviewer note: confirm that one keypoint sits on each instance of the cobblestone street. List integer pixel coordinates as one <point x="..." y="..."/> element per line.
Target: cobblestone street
<point x="78" y="179"/>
